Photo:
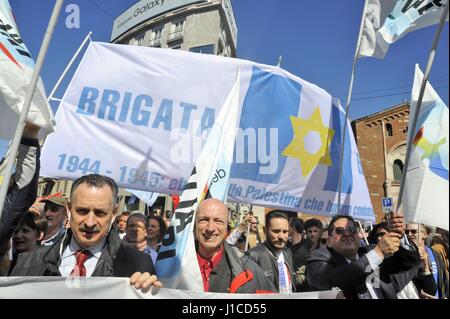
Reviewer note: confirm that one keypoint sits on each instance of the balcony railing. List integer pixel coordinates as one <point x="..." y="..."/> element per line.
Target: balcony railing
<point x="176" y="36"/>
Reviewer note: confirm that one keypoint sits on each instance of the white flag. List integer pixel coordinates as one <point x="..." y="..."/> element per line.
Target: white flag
<point x="16" y="69"/>
<point x="386" y="21"/>
<point x="177" y="264"/>
<point x="146" y="136"/>
<point x="426" y="186"/>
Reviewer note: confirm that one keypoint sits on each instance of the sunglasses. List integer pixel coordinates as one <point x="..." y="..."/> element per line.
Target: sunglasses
<point x="380" y="234"/>
<point x="341" y="230"/>
<point x="410" y="231"/>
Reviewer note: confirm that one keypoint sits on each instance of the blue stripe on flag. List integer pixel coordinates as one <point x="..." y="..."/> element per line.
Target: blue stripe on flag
<point x="331" y="183"/>
<point x="270" y="101"/>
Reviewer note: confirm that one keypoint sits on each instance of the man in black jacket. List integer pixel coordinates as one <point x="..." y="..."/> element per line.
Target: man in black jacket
<point x="272" y="256"/>
<point x="222" y="267"/>
<point x="362" y="273"/>
<point x="90" y="247"/>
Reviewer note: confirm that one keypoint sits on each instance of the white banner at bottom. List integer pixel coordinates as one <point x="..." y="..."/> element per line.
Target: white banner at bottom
<point x="120" y="288"/>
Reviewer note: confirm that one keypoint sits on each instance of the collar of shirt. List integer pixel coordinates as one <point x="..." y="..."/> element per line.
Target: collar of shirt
<point x="49" y="241"/>
<point x="96" y="250"/>
<point x="207" y="265"/>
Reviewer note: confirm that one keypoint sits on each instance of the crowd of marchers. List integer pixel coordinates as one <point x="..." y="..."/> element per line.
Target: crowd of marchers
<point x="86" y="235"/>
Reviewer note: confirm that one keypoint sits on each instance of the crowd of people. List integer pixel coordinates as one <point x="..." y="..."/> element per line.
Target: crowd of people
<point x="86" y="235"/>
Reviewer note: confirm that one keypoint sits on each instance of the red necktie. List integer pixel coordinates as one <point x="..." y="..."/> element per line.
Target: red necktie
<point x="79" y="269"/>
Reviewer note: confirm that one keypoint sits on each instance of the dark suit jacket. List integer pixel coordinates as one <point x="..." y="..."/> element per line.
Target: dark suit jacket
<point x="326" y="269"/>
<point x="116" y="260"/>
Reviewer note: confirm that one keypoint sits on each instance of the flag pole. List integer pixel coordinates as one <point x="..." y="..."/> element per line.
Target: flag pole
<point x="280" y="59"/>
<point x="412" y="127"/>
<point x="63" y="75"/>
<point x="347" y="107"/>
<point x="26" y="106"/>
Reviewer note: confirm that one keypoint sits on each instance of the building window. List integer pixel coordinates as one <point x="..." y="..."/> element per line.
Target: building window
<point x="398" y="170"/>
<point x="177" y="47"/>
<point x="176" y="30"/>
<point x="389" y="129"/>
<point x="206" y="49"/>
<point x="220" y="48"/>
<point x="139" y="40"/>
<point x="156" y="37"/>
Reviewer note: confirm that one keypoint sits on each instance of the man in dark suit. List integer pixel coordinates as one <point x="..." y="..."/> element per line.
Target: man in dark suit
<point x="91" y="247"/>
<point x="365" y="272"/>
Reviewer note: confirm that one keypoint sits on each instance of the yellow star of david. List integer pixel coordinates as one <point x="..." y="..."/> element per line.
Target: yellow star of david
<point x="309" y="161"/>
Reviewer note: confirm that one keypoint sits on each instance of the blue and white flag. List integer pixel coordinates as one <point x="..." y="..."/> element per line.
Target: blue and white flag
<point x="426" y="185"/>
<point x="16" y="69"/>
<point x="148" y="198"/>
<point x="386" y="21"/>
<point x="142" y="115"/>
<point x="177" y="265"/>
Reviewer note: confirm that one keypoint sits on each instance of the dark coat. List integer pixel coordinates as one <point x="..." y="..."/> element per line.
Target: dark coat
<point x="20" y="199"/>
<point x="266" y="258"/>
<point x="443" y="284"/>
<point x="116" y="260"/>
<point x="231" y="267"/>
<point x="326" y="269"/>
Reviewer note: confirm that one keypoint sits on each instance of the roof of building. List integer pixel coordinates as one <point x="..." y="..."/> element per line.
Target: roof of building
<point x="392" y="109"/>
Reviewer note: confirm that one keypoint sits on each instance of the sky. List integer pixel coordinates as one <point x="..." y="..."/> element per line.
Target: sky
<point x="316" y="40"/>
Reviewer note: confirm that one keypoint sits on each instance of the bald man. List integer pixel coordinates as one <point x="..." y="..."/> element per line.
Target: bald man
<point x="221" y="267"/>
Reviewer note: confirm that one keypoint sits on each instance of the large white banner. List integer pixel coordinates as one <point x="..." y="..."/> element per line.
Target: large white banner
<point x="141" y="115"/>
<point x="426" y="185"/>
<point x="120" y="288"/>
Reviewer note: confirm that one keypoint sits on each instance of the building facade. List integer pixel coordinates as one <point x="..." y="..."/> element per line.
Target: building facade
<point x="381" y="140"/>
<point x="205" y="26"/>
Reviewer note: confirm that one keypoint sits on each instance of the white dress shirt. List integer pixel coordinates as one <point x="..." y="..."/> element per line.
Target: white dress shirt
<point x="284" y="282"/>
<point x="68" y="260"/>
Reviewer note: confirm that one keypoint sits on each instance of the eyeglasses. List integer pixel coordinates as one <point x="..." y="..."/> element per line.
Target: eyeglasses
<point x="323" y="240"/>
<point x="380" y="234"/>
<point x="412" y="231"/>
<point x="341" y="230"/>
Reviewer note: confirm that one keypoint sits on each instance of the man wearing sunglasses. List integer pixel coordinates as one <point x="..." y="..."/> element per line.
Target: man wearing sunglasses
<point x="362" y="272"/>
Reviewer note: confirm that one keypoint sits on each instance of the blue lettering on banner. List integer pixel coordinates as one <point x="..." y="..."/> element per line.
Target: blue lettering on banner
<point x="116" y="106"/>
<point x="141" y="117"/>
<point x="270" y="101"/>
<point x="331" y="183"/>
<point x="164" y="115"/>
<point x="86" y="105"/>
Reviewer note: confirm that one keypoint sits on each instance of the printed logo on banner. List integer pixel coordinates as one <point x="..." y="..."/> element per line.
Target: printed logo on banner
<point x="436" y="153"/>
<point x="278" y="98"/>
<point x="12" y="45"/>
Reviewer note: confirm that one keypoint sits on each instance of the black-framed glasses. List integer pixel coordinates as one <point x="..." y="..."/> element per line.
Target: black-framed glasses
<point x="412" y="231"/>
<point x="341" y="230"/>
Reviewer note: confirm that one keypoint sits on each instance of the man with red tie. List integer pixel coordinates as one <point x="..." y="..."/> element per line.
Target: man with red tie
<point x="90" y="247"/>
